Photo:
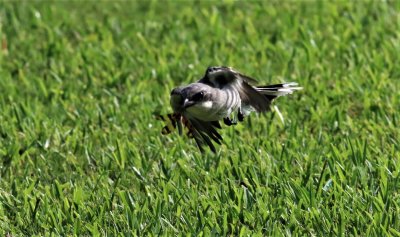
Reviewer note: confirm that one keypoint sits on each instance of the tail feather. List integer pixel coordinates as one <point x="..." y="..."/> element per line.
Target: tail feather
<point x="273" y="91"/>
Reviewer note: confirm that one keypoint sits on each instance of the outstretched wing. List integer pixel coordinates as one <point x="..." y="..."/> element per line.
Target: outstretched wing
<point x="223" y="77"/>
<point x="220" y="76"/>
<point x="205" y="133"/>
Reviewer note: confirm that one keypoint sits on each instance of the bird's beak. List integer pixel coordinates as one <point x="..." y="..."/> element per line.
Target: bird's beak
<point x="187" y="103"/>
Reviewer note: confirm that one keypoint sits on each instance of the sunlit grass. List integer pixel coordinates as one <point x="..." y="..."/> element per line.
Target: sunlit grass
<point x="82" y="154"/>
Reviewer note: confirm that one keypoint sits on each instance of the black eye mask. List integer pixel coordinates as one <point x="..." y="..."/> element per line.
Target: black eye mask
<point x="198" y="96"/>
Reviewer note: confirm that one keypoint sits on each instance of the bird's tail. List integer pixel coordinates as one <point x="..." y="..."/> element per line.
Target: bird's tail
<point x="273" y="91"/>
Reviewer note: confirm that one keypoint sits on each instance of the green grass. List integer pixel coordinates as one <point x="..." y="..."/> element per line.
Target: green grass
<point x="82" y="155"/>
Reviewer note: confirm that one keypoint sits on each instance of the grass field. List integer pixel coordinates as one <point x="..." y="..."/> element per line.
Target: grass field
<point x="81" y="153"/>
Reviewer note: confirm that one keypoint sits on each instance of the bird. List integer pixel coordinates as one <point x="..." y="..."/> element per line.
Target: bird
<point x="221" y="94"/>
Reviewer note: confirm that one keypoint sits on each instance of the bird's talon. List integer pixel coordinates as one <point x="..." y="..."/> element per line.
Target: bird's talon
<point x="229" y="121"/>
<point x="240" y="117"/>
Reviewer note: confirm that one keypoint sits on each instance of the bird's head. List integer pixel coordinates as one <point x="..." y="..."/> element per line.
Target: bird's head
<point x="195" y="99"/>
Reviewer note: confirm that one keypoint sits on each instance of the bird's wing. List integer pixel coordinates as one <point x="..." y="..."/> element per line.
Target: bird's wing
<point x="250" y="96"/>
<point x="205" y="133"/>
<point x="221" y="76"/>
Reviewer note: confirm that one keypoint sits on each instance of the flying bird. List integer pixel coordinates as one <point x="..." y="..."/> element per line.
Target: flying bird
<point x="221" y="94"/>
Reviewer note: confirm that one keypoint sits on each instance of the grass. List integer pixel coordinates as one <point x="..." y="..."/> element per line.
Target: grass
<point x="82" y="155"/>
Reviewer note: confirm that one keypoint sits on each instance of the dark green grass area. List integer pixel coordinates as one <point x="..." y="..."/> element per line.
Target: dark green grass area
<point x="81" y="154"/>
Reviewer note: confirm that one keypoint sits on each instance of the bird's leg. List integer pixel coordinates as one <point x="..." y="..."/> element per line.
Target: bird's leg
<point x="240" y="115"/>
<point x="228" y="121"/>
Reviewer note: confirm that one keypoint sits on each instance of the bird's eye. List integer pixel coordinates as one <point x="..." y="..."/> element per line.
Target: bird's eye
<point x="199" y="96"/>
<point x="210" y="69"/>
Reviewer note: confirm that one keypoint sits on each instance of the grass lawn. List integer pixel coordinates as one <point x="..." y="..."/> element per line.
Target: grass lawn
<point x="81" y="154"/>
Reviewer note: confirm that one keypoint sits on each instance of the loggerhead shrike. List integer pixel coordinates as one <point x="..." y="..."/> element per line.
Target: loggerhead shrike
<point x="222" y="94"/>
